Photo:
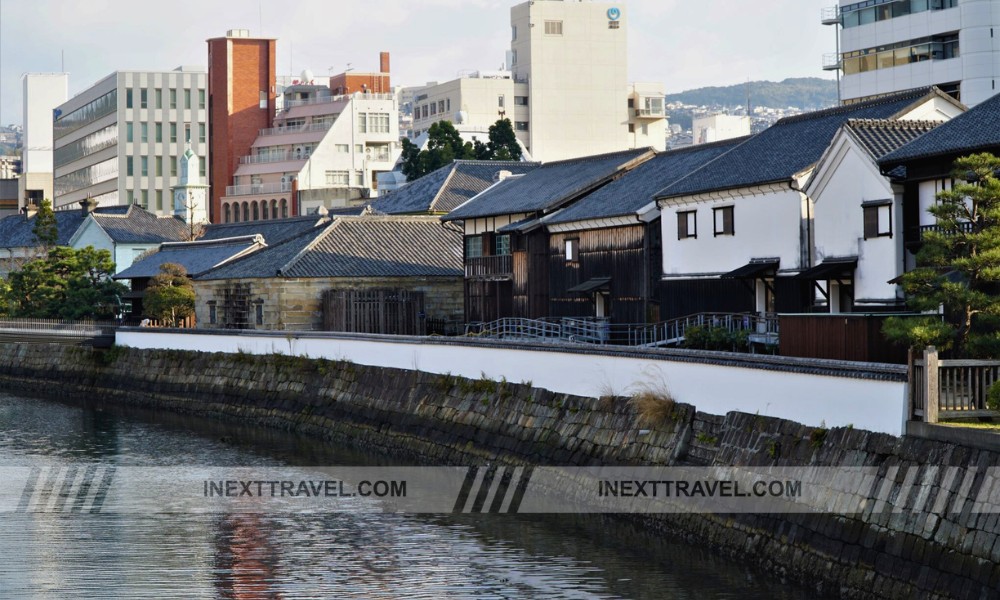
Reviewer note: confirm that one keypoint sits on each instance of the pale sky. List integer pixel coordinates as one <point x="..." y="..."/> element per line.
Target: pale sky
<point x="682" y="43"/>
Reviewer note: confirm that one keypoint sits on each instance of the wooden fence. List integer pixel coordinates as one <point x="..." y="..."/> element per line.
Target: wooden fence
<point x="949" y="389"/>
<point x="391" y="311"/>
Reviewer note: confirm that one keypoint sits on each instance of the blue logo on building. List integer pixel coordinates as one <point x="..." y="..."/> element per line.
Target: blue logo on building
<point x="614" y="13"/>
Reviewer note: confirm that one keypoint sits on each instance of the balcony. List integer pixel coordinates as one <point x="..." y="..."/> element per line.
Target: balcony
<point x="272" y="157"/>
<point x="308" y="128"/>
<point x="650" y="113"/>
<point x="258" y="188"/>
<point x="489" y="267"/>
<point x="831" y="62"/>
<point x="964" y="227"/>
<point x="330" y="99"/>
<point x="830" y="15"/>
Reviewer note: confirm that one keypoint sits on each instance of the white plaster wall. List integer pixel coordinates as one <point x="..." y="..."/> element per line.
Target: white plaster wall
<point x="91" y="234"/>
<point x="839" y="224"/>
<point x="765" y="225"/>
<point x="809" y="399"/>
<point x="927" y="193"/>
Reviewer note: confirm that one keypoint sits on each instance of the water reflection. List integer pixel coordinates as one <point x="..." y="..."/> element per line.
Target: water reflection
<point x="366" y="555"/>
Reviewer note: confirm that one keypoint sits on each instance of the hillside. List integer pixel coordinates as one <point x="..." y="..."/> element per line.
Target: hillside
<point x="805" y="93"/>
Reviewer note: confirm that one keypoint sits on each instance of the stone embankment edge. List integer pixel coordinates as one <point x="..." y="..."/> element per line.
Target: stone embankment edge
<point x="442" y="419"/>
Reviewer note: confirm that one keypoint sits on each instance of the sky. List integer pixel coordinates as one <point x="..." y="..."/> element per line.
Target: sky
<point x="683" y="43"/>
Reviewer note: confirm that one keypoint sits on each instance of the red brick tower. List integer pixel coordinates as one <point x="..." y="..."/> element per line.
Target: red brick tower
<point x="241" y="101"/>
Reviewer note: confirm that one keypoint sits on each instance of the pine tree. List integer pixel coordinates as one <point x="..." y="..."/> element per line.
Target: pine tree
<point x="45" y="229"/>
<point x="958" y="267"/>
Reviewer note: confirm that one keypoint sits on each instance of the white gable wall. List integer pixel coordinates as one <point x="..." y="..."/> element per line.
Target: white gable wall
<point x="848" y="178"/>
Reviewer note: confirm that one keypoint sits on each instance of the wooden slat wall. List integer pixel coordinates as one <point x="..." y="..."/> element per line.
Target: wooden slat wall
<point x="840" y="337"/>
<point x="615" y="252"/>
<point x="389" y="311"/>
<point x="691" y="296"/>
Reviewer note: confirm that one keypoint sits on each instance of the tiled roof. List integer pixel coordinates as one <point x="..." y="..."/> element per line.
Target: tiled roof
<point x="15" y="231"/>
<point x="637" y="188"/>
<point x="787" y="147"/>
<point x="881" y="136"/>
<point x="548" y="186"/>
<point x="364" y="246"/>
<point x="446" y="188"/>
<point x="195" y="257"/>
<point x="138" y="226"/>
<point x="274" y="231"/>
<point x="976" y="130"/>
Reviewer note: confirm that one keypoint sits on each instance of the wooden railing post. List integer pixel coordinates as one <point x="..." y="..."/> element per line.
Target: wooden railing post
<point x="931" y="387"/>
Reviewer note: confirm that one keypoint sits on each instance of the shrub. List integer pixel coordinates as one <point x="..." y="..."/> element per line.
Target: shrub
<point x="707" y="337"/>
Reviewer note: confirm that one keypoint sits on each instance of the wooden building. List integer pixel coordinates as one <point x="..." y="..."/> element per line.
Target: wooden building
<point x="506" y="244"/>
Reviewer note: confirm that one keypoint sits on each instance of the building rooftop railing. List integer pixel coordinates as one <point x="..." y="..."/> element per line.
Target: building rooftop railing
<point x="258" y="159"/>
<point x="331" y="99"/>
<point x="258" y="188"/>
<point x="301" y="129"/>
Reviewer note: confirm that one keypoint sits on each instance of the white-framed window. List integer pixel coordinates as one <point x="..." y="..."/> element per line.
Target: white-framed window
<point x="338" y="177"/>
<point x="572" y="250"/>
<point x="342" y="148"/>
<point x="520" y="125"/>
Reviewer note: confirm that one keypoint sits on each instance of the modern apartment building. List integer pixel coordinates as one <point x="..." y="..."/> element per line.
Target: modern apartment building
<point x="242" y="92"/>
<point x="324" y="150"/>
<point x="891" y="45"/>
<point x="119" y="141"/>
<point x="42" y="92"/>
<point x="565" y="89"/>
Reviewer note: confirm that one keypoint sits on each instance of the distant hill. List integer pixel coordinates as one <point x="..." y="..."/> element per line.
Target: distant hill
<point x="806" y="93"/>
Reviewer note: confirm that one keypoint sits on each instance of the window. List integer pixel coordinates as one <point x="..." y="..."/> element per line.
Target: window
<point x="159" y="200"/>
<point x="201" y="133"/>
<point x="145" y="199"/>
<point x="553" y="27"/>
<point x="520" y="100"/>
<point x="173" y="132"/>
<point x="144" y="161"/>
<point x="359" y="178"/>
<point x="128" y="132"/>
<point x="687" y="224"/>
<point x="434" y="109"/>
<point x="128" y="98"/>
<point x="159" y="98"/>
<point x="259" y="312"/>
<point x="173" y="98"/>
<point x="513" y="57"/>
<point x="201" y="98"/>
<point x="631" y="127"/>
<point x="447" y="104"/>
<point x="877" y="218"/>
<point x="173" y="167"/>
<point x="500" y="100"/>
<point x="363" y="122"/>
<point x="337" y="177"/>
<point x="159" y="132"/>
<point x="572" y="250"/>
<point x="213" y="313"/>
<point x="144" y="132"/>
<point x="263" y="100"/>
<point x="513" y="32"/>
<point x="723" y="219"/>
<point x="143" y="98"/>
<point x="158" y="166"/>
<point x="129" y="166"/>
<point x="187" y="98"/>
<point x="344" y="148"/>
<point x="501" y="245"/>
<point x="521" y="125"/>
<point x="473" y="246"/>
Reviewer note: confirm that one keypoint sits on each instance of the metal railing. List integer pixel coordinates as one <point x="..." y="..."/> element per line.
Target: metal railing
<point x="962" y="227"/>
<point x="650" y="112"/>
<point x="341" y="98"/>
<point x="829" y="15"/>
<point x="56" y="331"/>
<point x="271" y="157"/>
<point x="948" y="389"/>
<point x="258" y="188"/>
<point x="597" y="330"/>
<point x="831" y="61"/>
<point x="309" y="127"/>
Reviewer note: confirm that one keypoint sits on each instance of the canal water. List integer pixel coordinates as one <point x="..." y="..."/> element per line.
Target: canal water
<point x="363" y="555"/>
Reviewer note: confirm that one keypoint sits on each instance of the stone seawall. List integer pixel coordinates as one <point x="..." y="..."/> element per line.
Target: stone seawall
<point x="930" y="549"/>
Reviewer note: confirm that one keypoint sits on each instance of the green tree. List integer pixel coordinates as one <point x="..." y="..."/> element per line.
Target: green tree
<point x="170" y="295"/>
<point x="66" y="284"/>
<point x="503" y="142"/>
<point x="958" y="267"/>
<point x="45" y="229"/>
<point x="444" y="145"/>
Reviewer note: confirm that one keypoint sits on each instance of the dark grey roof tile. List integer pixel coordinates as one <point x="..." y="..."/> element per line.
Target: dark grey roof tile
<point x="195" y="257"/>
<point x="977" y="130"/>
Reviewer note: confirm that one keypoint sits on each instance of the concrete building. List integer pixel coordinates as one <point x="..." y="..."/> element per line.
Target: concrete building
<point x="891" y="45"/>
<point x="324" y="151"/>
<point x="119" y="140"/>
<point x="714" y="128"/>
<point x="350" y="82"/>
<point x="42" y="93"/>
<point x="242" y="92"/>
<point x="564" y="87"/>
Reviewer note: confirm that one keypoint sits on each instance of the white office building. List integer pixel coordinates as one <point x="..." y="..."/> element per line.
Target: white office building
<point x="565" y="88"/>
<point x="42" y="92"/>
<point x="714" y="128"/>
<point x="120" y="140"/>
<point x="892" y="45"/>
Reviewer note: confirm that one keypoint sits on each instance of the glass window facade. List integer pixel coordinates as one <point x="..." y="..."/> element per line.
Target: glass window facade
<point x="88" y="113"/>
<point x="95" y="142"/>
<point x="939" y="47"/>
<point x="87" y="176"/>
<point x="871" y="11"/>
